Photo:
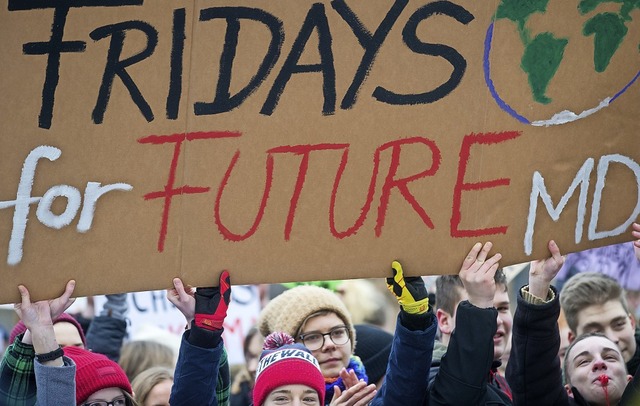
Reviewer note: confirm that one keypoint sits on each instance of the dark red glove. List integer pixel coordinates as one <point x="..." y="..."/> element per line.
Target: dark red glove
<point x="212" y="304"/>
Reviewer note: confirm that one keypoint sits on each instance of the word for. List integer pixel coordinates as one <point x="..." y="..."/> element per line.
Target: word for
<point x="581" y="179"/>
<point x="24" y="200"/>
<point x="234" y="17"/>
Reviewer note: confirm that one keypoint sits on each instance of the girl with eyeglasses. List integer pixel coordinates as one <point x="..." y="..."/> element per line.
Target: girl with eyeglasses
<point x="317" y="318"/>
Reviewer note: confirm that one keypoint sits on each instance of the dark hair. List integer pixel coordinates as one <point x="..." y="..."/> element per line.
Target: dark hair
<point x="253" y="331"/>
<point x="449" y="287"/>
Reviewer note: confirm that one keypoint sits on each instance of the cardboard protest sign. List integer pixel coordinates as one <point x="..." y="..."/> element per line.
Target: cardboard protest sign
<point x="291" y="141"/>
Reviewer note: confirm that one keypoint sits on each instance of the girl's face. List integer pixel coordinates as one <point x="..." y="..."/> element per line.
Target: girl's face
<point x="252" y="356"/>
<point x="159" y="394"/>
<point x="293" y="395"/>
<point x="113" y="395"/>
<point x="331" y="357"/>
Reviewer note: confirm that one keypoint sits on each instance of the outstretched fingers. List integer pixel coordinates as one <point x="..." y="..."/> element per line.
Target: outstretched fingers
<point x="360" y="394"/>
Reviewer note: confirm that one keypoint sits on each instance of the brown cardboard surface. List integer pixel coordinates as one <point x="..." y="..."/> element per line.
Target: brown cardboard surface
<point x="301" y="184"/>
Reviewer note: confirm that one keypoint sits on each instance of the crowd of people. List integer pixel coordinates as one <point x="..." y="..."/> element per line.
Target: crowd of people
<point x="465" y="345"/>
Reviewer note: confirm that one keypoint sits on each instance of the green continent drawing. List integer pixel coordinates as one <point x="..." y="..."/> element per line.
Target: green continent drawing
<point x="540" y="61"/>
<point x="544" y="52"/>
<point x="608" y="29"/>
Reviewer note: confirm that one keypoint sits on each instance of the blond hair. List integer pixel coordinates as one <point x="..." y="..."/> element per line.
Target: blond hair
<point x="139" y="355"/>
<point x="147" y="380"/>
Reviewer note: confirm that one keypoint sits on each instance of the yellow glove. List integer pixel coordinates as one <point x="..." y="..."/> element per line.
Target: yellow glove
<point x="411" y="293"/>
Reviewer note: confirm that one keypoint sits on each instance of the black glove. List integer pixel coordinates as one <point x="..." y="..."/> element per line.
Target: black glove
<point x="212" y="304"/>
<point x="411" y="293"/>
<point x="211" y="310"/>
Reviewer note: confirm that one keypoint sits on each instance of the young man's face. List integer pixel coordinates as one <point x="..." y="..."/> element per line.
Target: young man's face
<point x="505" y="320"/>
<point x="596" y="369"/>
<point x="611" y="320"/>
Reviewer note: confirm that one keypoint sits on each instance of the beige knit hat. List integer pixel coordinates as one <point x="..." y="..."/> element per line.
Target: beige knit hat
<point x="287" y="311"/>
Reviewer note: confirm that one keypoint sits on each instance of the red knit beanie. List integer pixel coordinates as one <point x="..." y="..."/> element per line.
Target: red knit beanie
<point x="95" y="372"/>
<point x="20" y="328"/>
<point x="285" y="363"/>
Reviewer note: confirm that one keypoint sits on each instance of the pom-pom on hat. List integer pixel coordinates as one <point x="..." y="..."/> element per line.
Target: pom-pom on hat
<point x="95" y="372"/>
<point x="20" y="328"/>
<point x="287" y="311"/>
<point x="283" y="362"/>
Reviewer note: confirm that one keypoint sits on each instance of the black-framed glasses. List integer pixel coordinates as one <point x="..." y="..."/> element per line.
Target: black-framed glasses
<point x="314" y="340"/>
<point x="120" y="401"/>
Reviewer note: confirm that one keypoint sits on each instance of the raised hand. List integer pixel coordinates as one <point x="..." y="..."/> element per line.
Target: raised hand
<point x="38" y="317"/>
<point x="44" y="312"/>
<point x="542" y="272"/>
<point x="636" y="243"/>
<point x="357" y="392"/>
<point x="409" y="291"/>
<point x="183" y="298"/>
<point x="477" y="273"/>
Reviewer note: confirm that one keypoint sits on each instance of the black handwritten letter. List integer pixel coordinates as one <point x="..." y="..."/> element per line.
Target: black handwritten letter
<point x="451" y="55"/>
<point x="316" y="18"/>
<point x="223" y="101"/>
<point x="175" y="77"/>
<point x="115" y="66"/>
<point x="55" y="46"/>
<point x="370" y="43"/>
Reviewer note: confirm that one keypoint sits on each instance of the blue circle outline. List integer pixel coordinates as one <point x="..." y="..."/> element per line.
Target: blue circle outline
<point x="494" y="93"/>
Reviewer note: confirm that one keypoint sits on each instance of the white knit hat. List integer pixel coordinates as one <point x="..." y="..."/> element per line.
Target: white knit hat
<point x="287" y="311"/>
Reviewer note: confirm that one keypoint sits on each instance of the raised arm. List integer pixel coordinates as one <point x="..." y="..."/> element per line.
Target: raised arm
<point x="196" y="378"/>
<point x="533" y="371"/>
<point x="407" y="374"/>
<point x="108" y="330"/>
<point x="52" y="375"/>
<point x="636" y="234"/>
<point x="38" y="318"/>
<point x="463" y="375"/>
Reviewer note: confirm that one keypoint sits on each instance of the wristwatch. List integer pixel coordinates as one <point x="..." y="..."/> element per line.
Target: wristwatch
<point x="50" y="356"/>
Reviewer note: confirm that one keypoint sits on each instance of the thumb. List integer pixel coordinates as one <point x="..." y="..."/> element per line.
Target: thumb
<point x="68" y="291"/>
<point x="179" y="288"/>
<point x="24" y="294"/>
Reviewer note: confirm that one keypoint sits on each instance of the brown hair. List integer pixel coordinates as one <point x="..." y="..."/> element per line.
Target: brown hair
<point x="147" y="380"/>
<point x="139" y="355"/>
<point x="586" y="289"/>
<point x="243" y="374"/>
<point x="449" y="288"/>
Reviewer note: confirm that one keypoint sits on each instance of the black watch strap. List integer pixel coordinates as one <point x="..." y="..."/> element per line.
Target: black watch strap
<point x="50" y="356"/>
